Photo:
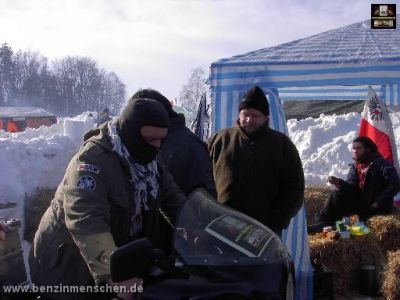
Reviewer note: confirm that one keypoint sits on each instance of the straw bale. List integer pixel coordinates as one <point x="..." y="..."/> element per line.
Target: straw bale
<point x="314" y="199"/>
<point x="391" y="281"/>
<point x="344" y="257"/>
<point x="387" y="229"/>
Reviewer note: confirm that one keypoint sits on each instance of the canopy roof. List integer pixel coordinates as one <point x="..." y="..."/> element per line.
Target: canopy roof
<point x="352" y="55"/>
<point x="18" y="112"/>
<point x="355" y="43"/>
<point x="338" y="64"/>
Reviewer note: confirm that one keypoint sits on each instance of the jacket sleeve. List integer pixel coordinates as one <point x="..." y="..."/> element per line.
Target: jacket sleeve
<point x="391" y="179"/>
<point x="172" y="196"/>
<point x="350" y="185"/>
<point x="211" y="146"/>
<point x="222" y="168"/>
<point x="87" y="215"/>
<point x="291" y="188"/>
<point x="200" y="169"/>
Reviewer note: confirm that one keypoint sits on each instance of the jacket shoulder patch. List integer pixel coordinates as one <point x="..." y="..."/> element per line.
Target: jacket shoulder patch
<point x="88" y="168"/>
<point x="86" y="183"/>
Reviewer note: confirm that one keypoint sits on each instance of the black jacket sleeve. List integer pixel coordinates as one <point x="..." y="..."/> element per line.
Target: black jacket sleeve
<point x="350" y="185"/>
<point x="392" y="184"/>
<point x="291" y="187"/>
<point x="172" y="196"/>
<point x="200" y="172"/>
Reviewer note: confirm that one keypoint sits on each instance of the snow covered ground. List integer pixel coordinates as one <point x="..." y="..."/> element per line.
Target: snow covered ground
<point x="38" y="157"/>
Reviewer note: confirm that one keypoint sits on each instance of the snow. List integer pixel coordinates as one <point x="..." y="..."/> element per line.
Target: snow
<point x="324" y="144"/>
<point x="38" y="157"/>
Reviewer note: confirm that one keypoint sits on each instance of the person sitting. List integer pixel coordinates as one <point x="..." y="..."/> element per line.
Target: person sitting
<point x="368" y="190"/>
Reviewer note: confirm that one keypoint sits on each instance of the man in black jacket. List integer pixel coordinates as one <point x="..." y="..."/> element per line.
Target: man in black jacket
<point x="184" y="154"/>
<point x="368" y="190"/>
<point x="257" y="170"/>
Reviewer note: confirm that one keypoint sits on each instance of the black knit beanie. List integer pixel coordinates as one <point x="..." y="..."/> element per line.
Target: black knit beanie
<point x="157" y="96"/>
<point x="255" y="98"/>
<point x="134" y="116"/>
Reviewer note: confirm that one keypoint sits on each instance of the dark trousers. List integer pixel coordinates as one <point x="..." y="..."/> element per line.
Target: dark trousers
<point x="341" y="204"/>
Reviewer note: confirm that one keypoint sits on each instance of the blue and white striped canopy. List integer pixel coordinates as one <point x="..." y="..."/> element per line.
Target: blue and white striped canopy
<point x="388" y="92"/>
<point x="335" y="65"/>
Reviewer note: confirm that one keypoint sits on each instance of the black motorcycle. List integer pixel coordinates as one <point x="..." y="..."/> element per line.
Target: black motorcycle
<point x="219" y="253"/>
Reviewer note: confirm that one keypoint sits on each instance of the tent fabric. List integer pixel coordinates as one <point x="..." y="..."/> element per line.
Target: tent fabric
<point x="335" y="65"/>
<point x="326" y="93"/>
<point x="295" y="236"/>
<point x="389" y="93"/>
<point x="353" y="44"/>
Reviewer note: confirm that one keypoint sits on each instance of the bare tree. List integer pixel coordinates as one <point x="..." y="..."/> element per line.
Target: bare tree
<point x="68" y="86"/>
<point x="6" y="73"/>
<point x="192" y="91"/>
<point x="28" y="69"/>
<point x="114" y="92"/>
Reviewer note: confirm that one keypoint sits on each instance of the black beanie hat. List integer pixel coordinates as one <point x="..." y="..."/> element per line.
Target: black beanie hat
<point x="157" y="96"/>
<point x="255" y="98"/>
<point x="134" y="116"/>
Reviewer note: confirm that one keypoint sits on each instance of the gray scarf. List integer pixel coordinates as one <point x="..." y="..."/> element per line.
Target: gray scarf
<point x="144" y="180"/>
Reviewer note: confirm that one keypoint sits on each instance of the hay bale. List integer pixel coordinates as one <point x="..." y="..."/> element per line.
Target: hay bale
<point x="314" y="199"/>
<point x="391" y="281"/>
<point x="344" y="257"/>
<point x="387" y="230"/>
<point x="35" y="206"/>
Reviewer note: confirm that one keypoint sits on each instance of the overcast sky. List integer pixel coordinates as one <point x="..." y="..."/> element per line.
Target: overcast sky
<point x="156" y="43"/>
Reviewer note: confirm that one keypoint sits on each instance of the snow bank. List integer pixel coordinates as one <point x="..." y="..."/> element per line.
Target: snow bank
<point x="37" y="158"/>
<point x="324" y="144"/>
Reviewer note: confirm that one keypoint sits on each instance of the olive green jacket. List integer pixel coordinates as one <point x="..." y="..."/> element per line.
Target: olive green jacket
<point x="89" y="216"/>
<point x="260" y="175"/>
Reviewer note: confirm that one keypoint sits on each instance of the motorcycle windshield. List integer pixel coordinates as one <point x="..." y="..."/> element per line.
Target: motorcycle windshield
<point x="208" y="233"/>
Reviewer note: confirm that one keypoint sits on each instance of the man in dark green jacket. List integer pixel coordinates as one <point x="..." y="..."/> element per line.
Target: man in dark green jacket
<point x="110" y="194"/>
<point x="257" y="170"/>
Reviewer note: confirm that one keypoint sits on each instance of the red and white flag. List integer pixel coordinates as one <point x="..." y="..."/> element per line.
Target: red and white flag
<point x="376" y="124"/>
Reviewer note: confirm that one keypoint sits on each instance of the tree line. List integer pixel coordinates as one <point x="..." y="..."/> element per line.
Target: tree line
<point x="66" y="86"/>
